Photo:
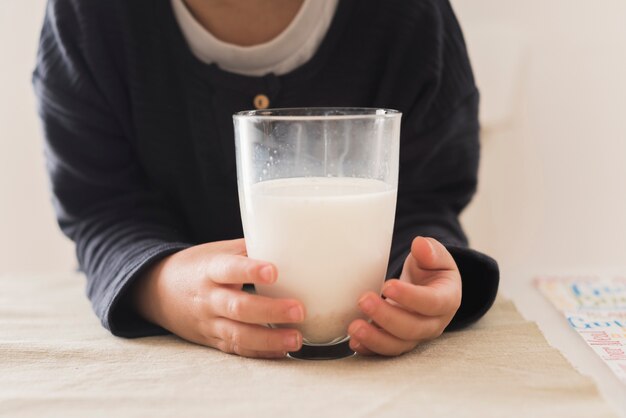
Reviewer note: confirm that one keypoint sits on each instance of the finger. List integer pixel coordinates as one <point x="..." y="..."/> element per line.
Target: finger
<point x="205" y="338"/>
<point x="439" y="297"/>
<point x="253" y="309"/>
<point x="236" y="336"/>
<point x="377" y="340"/>
<point x="218" y="343"/>
<point x="398" y="322"/>
<point x="260" y="354"/>
<point x="430" y="254"/>
<point x="237" y="269"/>
<point x="359" y="348"/>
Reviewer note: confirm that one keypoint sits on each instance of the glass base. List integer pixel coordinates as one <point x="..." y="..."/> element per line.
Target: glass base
<point x="323" y="352"/>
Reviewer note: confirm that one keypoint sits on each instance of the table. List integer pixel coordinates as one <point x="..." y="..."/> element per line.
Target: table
<point x="56" y="360"/>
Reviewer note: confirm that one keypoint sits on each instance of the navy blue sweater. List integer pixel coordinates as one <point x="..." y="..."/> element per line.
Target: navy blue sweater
<point x="139" y="135"/>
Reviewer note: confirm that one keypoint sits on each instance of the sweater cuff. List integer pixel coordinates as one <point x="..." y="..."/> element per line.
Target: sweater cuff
<point x="480" y="277"/>
<point x="119" y="315"/>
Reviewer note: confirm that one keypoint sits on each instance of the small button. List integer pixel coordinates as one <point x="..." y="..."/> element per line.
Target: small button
<point x="261" y="101"/>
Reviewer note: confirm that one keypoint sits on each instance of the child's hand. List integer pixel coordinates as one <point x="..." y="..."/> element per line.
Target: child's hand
<point x="418" y="306"/>
<point x="197" y="294"/>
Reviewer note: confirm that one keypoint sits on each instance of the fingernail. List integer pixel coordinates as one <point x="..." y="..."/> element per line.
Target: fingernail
<point x="391" y="291"/>
<point x="430" y="246"/>
<point x="267" y="274"/>
<point x="296" y="314"/>
<point x="366" y="303"/>
<point x="291" y="342"/>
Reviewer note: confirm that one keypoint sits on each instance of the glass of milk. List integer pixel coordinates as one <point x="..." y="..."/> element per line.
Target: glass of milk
<point x="317" y="191"/>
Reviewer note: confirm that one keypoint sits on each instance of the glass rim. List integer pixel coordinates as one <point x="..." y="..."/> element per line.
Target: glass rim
<point x="319" y="113"/>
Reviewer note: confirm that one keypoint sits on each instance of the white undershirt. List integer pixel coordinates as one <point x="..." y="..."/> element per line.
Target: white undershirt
<point x="291" y="48"/>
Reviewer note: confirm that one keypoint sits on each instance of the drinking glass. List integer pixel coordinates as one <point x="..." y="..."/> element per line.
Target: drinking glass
<point x="317" y="191"/>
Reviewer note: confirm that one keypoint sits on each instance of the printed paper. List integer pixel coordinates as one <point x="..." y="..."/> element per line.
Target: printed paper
<point x="596" y="308"/>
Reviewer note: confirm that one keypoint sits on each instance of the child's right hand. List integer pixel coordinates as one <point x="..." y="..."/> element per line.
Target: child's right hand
<point x="197" y="294"/>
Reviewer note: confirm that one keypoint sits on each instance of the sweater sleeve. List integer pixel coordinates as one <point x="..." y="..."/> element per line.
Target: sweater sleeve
<point x="439" y="164"/>
<point x="102" y="200"/>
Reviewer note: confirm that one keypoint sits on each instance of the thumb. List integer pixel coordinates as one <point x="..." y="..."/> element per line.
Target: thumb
<point x="430" y="254"/>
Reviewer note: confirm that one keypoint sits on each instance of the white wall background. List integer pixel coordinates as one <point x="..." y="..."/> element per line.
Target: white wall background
<point x="29" y="237"/>
<point x="553" y="178"/>
<point x="552" y="194"/>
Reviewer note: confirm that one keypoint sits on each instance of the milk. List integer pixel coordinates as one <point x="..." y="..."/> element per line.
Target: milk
<point x="330" y="240"/>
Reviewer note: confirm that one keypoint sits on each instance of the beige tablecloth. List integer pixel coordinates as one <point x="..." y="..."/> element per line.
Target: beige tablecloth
<point x="56" y="360"/>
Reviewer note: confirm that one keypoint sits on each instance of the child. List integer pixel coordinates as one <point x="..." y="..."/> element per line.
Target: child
<point x="136" y="101"/>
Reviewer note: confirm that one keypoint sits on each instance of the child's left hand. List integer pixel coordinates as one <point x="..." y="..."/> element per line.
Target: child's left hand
<point x="418" y="307"/>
